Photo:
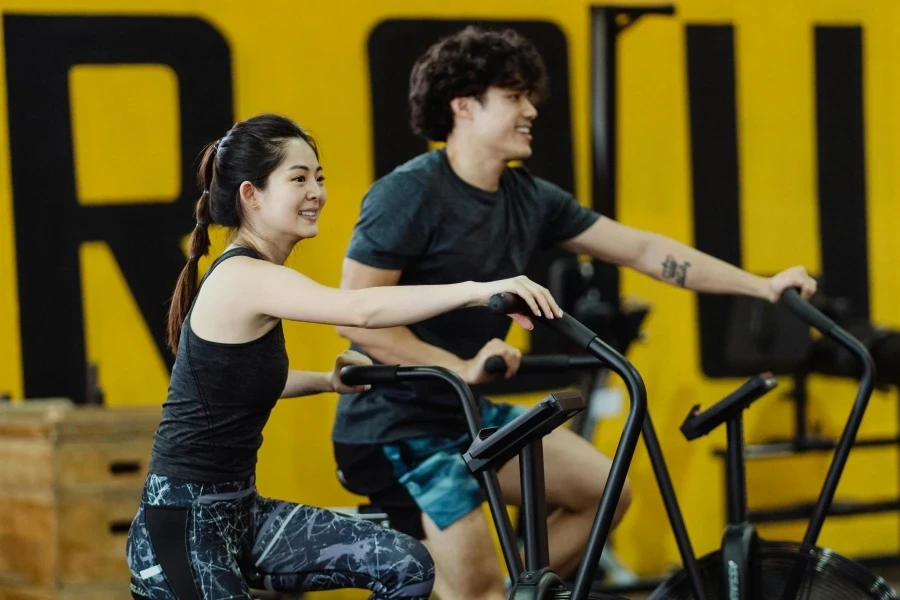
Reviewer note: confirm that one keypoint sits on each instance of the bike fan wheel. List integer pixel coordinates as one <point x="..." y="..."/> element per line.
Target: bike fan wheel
<point x="826" y="575"/>
<point x="566" y="594"/>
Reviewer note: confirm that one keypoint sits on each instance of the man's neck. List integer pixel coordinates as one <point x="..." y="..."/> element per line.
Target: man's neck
<point x="475" y="164"/>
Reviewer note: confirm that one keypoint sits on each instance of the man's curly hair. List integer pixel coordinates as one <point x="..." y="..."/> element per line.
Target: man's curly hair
<point x="467" y="63"/>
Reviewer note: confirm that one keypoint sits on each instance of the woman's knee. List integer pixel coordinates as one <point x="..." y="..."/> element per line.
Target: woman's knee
<point x="418" y="554"/>
<point x="410" y="572"/>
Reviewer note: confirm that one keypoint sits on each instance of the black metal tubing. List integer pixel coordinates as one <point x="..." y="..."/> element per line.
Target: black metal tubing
<point x="534" y="506"/>
<point x="666" y="488"/>
<point x="607" y="25"/>
<point x="848" y="437"/>
<point x="622" y="458"/>
<point x="577" y="333"/>
<point x="389" y="374"/>
<point x="820" y="321"/>
<point x="607" y="22"/>
<point x="840" y="508"/>
<point x="801" y="404"/>
<point x="488" y="478"/>
<point x="469" y="405"/>
<point x="670" y="501"/>
<point x="816" y="319"/>
<point x="558" y="362"/>
<point x="545" y="363"/>
<point x="777" y="448"/>
<point x="737" y="477"/>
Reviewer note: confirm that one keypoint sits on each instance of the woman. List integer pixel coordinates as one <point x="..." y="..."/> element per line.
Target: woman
<point x="202" y="531"/>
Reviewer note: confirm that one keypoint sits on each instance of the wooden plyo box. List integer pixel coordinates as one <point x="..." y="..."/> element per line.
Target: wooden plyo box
<point x="70" y="484"/>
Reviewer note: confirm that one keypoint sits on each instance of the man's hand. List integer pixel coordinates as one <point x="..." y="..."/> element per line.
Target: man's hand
<point x="349" y="357"/>
<point x="473" y="370"/>
<point x="795" y="277"/>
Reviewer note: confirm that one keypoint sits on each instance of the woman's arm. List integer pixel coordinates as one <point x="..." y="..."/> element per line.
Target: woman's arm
<point x="282" y="292"/>
<point x="308" y="383"/>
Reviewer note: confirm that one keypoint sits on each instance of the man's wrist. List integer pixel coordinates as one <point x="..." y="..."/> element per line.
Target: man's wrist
<point x="459" y="366"/>
<point x="328" y="381"/>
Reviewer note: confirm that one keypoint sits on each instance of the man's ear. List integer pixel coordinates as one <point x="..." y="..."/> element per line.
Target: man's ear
<point x="462" y="107"/>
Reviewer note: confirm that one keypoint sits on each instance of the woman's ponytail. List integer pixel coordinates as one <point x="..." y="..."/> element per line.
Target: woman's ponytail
<point x="186" y="288"/>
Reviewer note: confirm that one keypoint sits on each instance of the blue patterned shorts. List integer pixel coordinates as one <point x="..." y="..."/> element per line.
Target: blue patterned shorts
<point x="432" y="470"/>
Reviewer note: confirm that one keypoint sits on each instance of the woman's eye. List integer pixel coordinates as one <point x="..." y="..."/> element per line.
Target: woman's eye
<point x="300" y="179"/>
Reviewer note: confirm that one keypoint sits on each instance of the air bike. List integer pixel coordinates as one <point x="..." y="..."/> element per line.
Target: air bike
<point x="744" y="568"/>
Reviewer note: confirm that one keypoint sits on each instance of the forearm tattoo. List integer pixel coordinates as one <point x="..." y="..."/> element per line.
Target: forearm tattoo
<point x="675" y="271"/>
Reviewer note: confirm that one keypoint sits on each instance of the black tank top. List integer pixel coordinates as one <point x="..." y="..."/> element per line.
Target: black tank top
<point x="220" y="397"/>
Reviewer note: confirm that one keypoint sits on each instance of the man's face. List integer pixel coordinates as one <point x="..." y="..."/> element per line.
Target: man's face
<point x="501" y="122"/>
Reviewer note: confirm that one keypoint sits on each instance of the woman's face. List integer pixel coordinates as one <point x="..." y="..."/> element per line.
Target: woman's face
<point x="294" y="196"/>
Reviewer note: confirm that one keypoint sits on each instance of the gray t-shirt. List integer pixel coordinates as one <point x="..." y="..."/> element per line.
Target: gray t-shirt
<point x="426" y="221"/>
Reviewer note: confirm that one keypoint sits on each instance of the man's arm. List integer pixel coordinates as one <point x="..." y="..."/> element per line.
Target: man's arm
<point x="399" y="345"/>
<point x="673" y="262"/>
<point x="392" y="345"/>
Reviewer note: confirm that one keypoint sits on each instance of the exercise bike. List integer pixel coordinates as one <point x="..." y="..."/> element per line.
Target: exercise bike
<point x="492" y="447"/>
<point x="746" y="567"/>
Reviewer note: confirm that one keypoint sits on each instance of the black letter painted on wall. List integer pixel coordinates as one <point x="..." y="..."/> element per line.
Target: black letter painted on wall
<point x="50" y="224"/>
<point x="716" y="179"/>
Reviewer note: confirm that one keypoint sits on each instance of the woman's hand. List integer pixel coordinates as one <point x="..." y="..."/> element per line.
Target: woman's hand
<point x="536" y="296"/>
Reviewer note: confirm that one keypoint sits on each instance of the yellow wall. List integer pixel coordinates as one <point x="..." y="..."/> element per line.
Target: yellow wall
<point x="308" y="60"/>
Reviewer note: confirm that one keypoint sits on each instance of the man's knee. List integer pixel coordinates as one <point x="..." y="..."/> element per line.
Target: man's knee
<point x="625" y="498"/>
<point x="591" y="497"/>
<point x="466" y="563"/>
<point x="479" y="584"/>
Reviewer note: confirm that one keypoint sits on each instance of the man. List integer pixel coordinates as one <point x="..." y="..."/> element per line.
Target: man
<point x="461" y="213"/>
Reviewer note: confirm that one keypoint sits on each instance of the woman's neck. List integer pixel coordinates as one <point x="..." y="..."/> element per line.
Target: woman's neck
<point x="270" y="250"/>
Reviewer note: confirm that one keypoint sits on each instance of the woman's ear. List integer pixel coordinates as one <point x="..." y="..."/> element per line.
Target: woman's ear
<point x="249" y="195"/>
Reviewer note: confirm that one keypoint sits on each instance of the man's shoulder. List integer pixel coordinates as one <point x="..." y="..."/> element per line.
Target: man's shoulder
<point x="416" y="174"/>
<point x="424" y="164"/>
<point x="532" y="185"/>
<point x="520" y="175"/>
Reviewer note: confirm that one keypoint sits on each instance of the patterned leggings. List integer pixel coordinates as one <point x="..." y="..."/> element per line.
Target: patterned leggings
<point x="195" y="541"/>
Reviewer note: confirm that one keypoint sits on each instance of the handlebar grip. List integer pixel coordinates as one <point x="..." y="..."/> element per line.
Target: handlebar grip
<point x="807" y="312"/>
<point x="369" y="375"/>
<point x="545" y="363"/>
<point x="566" y="326"/>
<point x="506" y="303"/>
<point x="495" y="365"/>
